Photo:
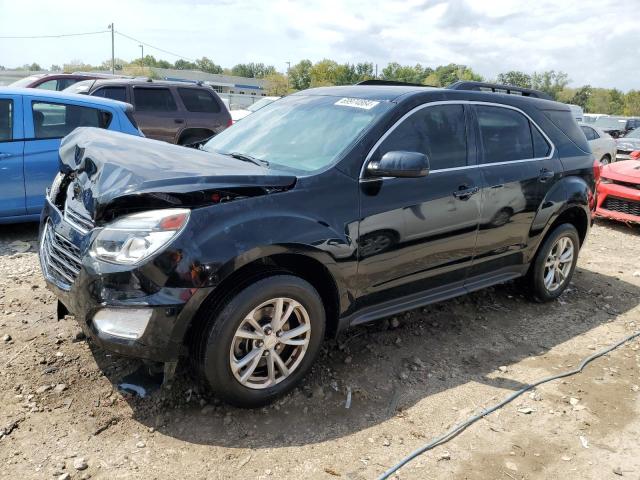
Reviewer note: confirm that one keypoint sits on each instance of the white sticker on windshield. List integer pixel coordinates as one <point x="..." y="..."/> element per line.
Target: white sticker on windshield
<point x="357" y="103"/>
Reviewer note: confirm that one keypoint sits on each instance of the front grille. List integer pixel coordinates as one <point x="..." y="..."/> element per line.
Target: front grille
<point x="60" y="258"/>
<point x="622" y="205"/>
<point x="627" y="184"/>
<point x="81" y="221"/>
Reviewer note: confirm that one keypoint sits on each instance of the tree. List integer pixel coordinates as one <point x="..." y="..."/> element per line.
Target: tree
<point x="364" y="71"/>
<point x="55" y="68"/>
<point x="582" y="95"/>
<point x="277" y="84"/>
<point x="300" y="75"/>
<point x="253" y="70"/>
<point x="184" y="65"/>
<point x="550" y="82"/>
<point x="405" y="73"/>
<point x="632" y="103"/>
<point x="324" y="72"/>
<point x="34" y="67"/>
<point x="448" y="74"/>
<point x="514" y="78"/>
<point x="207" y="65"/>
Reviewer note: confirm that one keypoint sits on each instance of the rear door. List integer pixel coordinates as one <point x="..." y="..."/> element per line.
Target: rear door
<point x="518" y="168"/>
<point x="46" y="122"/>
<point x="204" y="110"/>
<point x="11" y="157"/>
<point x="157" y="112"/>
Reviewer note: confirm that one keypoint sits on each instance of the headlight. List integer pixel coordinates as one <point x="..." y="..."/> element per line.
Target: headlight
<point x="130" y="239"/>
<point x="605" y="180"/>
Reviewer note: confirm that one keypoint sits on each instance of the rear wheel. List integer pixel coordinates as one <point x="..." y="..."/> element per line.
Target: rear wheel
<point x="606" y="160"/>
<point x="263" y="341"/>
<point x="554" y="264"/>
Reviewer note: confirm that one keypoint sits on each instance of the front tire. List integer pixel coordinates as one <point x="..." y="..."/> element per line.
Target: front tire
<point x="263" y="341"/>
<point x="555" y="262"/>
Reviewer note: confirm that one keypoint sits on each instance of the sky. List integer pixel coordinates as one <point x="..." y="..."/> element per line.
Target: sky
<point x="595" y="42"/>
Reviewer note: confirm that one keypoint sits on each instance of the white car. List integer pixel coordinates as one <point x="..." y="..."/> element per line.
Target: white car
<point x="240" y="114"/>
<point x="602" y="144"/>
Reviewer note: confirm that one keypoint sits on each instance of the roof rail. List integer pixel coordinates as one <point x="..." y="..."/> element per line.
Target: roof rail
<point x="497" y="88"/>
<point x="390" y="82"/>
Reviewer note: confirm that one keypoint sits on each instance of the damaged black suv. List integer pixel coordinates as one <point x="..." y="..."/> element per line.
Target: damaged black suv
<point x="326" y="209"/>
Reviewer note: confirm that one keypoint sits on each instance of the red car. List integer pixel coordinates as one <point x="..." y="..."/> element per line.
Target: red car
<point x="619" y="191"/>
<point x="56" y="81"/>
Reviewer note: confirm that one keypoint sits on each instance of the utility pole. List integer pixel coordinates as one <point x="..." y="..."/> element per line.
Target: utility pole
<point x="113" y="54"/>
<point x="141" y="55"/>
<point x="288" y="68"/>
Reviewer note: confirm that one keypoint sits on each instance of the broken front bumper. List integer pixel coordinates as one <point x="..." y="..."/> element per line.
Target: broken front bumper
<point x="149" y="321"/>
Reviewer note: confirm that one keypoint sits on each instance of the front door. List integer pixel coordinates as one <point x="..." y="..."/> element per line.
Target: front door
<point x="418" y="234"/>
<point x="11" y="157"/>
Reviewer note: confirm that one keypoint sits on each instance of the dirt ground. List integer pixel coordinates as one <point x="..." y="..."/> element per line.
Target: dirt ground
<point x="410" y="378"/>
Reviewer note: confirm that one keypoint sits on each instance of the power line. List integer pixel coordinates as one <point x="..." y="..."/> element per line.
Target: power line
<point x="155" y="48"/>
<point x="52" y="36"/>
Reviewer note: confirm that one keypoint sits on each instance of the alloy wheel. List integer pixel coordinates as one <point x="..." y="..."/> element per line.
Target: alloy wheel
<point x="558" y="264"/>
<point x="270" y="343"/>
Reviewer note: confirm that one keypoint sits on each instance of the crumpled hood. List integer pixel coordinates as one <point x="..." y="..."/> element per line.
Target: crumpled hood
<point x="624" y="141"/>
<point x="625" y="171"/>
<point x="111" y="165"/>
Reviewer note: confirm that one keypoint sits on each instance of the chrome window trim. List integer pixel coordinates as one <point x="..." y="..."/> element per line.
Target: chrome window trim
<point x="367" y="159"/>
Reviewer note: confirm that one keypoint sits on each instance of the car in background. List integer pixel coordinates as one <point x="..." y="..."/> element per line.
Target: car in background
<point x="55" y="81"/>
<point x="577" y="112"/>
<point x="628" y="144"/>
<point x="32" y="124"/>
<point x="592" y="117"/>
<point x="243" y="112"/>
<point x="186" y="114"/>
<point x="619" y="192"/>
<point x="602" y="144"/>
<point x="616" y="126"/>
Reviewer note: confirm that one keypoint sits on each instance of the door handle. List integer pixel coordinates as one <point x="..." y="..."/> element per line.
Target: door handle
<point x="545" y="175"/>
<point x="178" y="120"/>
<point x="464" y="192"/>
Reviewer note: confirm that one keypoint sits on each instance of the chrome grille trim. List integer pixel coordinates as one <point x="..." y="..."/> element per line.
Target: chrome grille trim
<point x="78" y="220"/>
<point x="59" y="257"/>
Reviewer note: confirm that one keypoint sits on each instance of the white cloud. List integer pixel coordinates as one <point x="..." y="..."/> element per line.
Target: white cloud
<point x="595" y="42"/>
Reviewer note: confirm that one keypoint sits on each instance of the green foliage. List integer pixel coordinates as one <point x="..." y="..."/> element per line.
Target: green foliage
<point x="52" y="68"/>
<point x="406" y="73"/>
<point x="632" y="103"/>
<point x="300" y="75"/>
<point x="550" y="82"/>
<point x="515" y="78"/>
<point x="253" y="70"/>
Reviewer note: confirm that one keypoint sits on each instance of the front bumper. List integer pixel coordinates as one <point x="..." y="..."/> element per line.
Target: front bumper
<point x="98" y="285"/>
<point x="618" y="202"/>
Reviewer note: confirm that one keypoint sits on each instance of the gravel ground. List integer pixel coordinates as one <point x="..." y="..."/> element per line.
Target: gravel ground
<point x="410" y="377"/>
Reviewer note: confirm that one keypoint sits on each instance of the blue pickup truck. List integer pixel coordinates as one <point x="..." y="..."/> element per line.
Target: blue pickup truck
<point x="32" y="124"/>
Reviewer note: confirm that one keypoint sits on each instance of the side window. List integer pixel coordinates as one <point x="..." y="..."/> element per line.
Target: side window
<point x="541" y="147"/>
<point x="198" y="100"/>
<point x="49" y="85"/>
<point x="154" y="100"/>
<point x="114" y="93"/>
<point x="505" y="133"/>
<point x="66" y="82"/>
<point x="590" y="133"/>
<point x="6" y="120"/>
<point x="438" y="131"/>
<point x="55" y="120"/>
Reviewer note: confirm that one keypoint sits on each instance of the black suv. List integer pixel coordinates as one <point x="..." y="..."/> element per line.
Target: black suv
<point x="327" y="209"/>
<point x="175" y="112"/>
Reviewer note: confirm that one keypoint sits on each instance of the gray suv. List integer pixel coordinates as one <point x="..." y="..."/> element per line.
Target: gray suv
<point x="175" y="112"/>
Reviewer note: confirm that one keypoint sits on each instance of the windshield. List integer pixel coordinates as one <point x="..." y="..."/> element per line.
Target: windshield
<point x="609" y="123"/>
<point x="23" y="82"/>
<point x="633" y="133"/>
<point x="80" y="87"/>
<point x="259" y="104"/>
<point x="299" y="132"/>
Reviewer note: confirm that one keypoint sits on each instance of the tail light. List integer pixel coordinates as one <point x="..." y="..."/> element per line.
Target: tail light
<point x="230" y="122"/>
<point x="597" y="170"/>
<point x="635" y="155"/>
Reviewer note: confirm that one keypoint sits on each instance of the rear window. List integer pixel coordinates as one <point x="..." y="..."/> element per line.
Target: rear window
<point x="154" y="100"/>
<point x="6" y="120"/>
<point x="55" y="120"/>
<point x="563" y="119"/>
<point x="198" y="100"/>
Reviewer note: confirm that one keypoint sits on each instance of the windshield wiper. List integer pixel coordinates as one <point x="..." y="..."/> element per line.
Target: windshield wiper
<point x="248" y="158"/>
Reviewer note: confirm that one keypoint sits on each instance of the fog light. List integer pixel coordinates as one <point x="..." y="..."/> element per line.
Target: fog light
<point x="123" y="322"/>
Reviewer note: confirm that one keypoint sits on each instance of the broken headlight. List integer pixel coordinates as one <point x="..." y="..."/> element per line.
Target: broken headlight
<point x="130" y="239"/>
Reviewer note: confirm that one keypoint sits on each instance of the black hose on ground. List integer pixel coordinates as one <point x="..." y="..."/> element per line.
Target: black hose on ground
<point x="462" y="426"/>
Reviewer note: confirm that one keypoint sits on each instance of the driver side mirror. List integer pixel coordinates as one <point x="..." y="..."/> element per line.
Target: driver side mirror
<point x="400" y="164"/>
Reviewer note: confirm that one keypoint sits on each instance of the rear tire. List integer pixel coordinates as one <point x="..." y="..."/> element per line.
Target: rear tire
<point x="276" y="359"/>
<point x="605" y="160"/>
<point x="554" y="264"/>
